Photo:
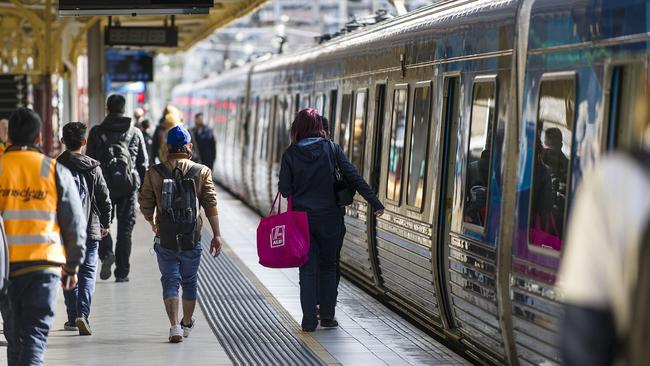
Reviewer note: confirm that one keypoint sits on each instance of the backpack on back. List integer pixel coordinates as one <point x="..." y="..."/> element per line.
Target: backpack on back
<point x="178" y="217"/>
<point x="117" y="165"/>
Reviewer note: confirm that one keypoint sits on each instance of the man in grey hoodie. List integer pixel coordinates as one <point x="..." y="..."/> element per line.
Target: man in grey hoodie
<point x="96" y="204"/>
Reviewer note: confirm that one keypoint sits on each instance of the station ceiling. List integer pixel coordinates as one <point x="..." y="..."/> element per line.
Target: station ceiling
<point x="35" y="41"/>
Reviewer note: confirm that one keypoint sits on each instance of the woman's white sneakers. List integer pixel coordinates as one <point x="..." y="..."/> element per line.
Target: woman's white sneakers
<point x="187" y="329"/>
<point x="175" y="334"/>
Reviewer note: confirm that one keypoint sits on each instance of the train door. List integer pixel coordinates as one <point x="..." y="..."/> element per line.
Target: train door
<point x="449" y="145"/>
<point x="375" y="174"/>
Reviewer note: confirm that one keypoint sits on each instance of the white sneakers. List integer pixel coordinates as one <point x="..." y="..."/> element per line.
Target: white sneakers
<point x="187" y="329"/>
<point x="178" y="332"/>
<point x="175" y="334"/>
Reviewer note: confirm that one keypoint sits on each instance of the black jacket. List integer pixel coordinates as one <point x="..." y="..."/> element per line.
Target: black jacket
<point x="116" y="126"/>
<point x="204" y="141"/>
<point x="100" y="212"/>
<point x="307" y="174"/>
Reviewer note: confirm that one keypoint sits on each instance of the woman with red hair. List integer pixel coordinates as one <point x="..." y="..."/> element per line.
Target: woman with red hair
<point x="307" y="175"/>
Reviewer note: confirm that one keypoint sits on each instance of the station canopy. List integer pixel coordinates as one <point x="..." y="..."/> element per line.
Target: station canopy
<point x="37" y="40"/>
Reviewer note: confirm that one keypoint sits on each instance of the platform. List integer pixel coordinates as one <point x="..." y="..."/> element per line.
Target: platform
<point x="248" y="315"/>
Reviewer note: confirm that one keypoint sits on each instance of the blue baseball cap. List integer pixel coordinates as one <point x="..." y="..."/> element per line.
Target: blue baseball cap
<point x="178" y="136"/>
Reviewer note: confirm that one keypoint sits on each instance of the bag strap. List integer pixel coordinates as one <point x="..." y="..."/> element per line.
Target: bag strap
<point x="163" y="171"/>
<point x="277" y="195"/>
<point x="337" y="169"/>
<point x="193" y="172"/>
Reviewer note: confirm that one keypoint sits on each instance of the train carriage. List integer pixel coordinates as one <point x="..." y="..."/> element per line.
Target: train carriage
<point x="473" y="121"/>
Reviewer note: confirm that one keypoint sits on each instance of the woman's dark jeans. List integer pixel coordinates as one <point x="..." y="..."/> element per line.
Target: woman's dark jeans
<point x="318" y="277"/>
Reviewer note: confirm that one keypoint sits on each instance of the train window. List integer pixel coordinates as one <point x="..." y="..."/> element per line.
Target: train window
<point x="344" y="136"/>
<point x="396" y="151"/>
<point x="419" y="146"/>
<point x="478" y="152"/>
<point x="553" y="138"/>
<point x="281" y="130"/>
<point x="359" y="132"/>
<point x="331" y="114"/>
<point x="265" y="118"/>
<point x="320" y="104"/>
<point x="628" y="106"/>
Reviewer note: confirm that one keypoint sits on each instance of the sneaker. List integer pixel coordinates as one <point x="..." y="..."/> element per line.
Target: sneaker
<point x="175" y="334"/>
<point x="70" y="326"/>
<point x="107" y="263"/>
<point x="84" y="327"/>
<point x="121" y="279"/>
<point x="187" y="329"/>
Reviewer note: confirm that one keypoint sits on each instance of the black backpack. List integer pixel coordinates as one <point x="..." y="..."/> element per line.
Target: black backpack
<point x="117" y="165"/>
<point x="178" y="217"/>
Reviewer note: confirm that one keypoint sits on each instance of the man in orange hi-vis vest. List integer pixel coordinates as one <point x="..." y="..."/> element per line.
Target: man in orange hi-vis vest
<point x="46" y="234"/>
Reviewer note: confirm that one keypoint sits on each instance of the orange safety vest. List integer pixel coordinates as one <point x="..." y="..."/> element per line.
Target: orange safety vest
<point x="28" y="202"/>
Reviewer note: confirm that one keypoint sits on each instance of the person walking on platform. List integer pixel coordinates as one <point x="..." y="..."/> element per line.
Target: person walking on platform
<point x="97" y="206"/>
<point x="307" y="175"/>
<point x="46" y="235"/>
<point x="205" y="141"/>
<point x="121" y="150"/>
<point x="168" y="201"/>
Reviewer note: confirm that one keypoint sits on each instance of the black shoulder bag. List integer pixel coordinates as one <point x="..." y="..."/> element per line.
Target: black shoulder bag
<point x="344" y="194"/>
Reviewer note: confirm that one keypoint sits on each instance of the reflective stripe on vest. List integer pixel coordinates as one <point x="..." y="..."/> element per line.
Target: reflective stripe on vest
<point x="28" y="202"/>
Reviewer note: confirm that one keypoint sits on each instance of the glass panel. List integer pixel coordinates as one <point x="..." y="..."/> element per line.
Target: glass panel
<point x="281" y="131"/>
<point x="263" y="128"/>
<point x="331" y="115"/>
<point x="359" y="135"/>
<point x="553" y="140"/>
<point x="478" y="154"/>
<point x="396" y="151"/>
<point x="320" y="104"/>
<point x="344" y="136"/>
<point x="419" y="146"/>
<point x="628" y="107"/>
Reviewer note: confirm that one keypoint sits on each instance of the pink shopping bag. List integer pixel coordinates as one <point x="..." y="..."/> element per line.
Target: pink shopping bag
<point x="283" y="239"/>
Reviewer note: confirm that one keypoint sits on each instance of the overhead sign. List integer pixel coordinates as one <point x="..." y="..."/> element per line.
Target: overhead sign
<point x="127" y="66"/>
<point x="133" y="7"/>
<point x="141" y="36"/>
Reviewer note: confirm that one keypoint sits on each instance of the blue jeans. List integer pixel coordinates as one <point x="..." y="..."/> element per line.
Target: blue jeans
<point x="319" y="276"/>
<point x="28" y="314"/>
<point x="179" y="268"/>
<point x="77" y="300"/>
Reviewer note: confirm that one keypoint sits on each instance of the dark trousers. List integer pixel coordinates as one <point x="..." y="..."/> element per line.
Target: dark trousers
<point x="125" y="212"/>
<point x="318" y="277"/>
<point x="77" y="300"/>
<point x="28" y="314"/>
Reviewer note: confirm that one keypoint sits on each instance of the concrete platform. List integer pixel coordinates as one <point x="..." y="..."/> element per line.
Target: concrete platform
<point x="130" y="326"/>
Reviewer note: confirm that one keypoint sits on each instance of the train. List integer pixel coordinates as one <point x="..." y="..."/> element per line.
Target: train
<point x="474" y="121"/>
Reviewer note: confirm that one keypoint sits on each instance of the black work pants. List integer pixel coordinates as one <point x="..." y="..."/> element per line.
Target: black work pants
<point x="124" y="209"/>
<point x="318" y="277"/>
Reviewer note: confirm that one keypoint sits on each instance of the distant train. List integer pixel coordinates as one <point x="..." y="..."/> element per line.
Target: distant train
<point x="474" y="121"/>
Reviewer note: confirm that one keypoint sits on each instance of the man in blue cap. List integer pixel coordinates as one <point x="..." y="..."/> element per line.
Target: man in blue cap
<point x="169" y="200"/>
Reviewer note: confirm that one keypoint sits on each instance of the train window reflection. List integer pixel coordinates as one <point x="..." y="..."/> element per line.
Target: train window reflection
<point x="478" y="154"/>
<point x="396" y="151"/>
<point x="419" y="146"/>
<point x="344" y="136"/>
<point x="359" y="131"/>
<point x="551" y="163"/>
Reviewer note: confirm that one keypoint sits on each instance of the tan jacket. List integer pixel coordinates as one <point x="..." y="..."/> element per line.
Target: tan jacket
<point x="150" y="196"/>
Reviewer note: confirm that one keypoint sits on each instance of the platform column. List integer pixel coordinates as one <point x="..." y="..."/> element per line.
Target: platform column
<point x="96" y="89"/>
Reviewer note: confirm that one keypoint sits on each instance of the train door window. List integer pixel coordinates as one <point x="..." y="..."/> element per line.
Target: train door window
<point x="628" y="106"/>
<point x="551" y="163"/>
<point x="264" y="128"/>
<point x="417" y="170"/>
<point x="280" y="127"/>
<point x="359" y="131"/>
<point x="397" y="142"/>
<point x="478" y="152"/>
<point x="320" y="104"/>
<point x="346" y="110"/>
<point x="331" y="114"/>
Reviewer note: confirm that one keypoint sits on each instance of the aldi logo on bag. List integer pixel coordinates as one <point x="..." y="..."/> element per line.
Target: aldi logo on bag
<point x="277" y="236"/>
